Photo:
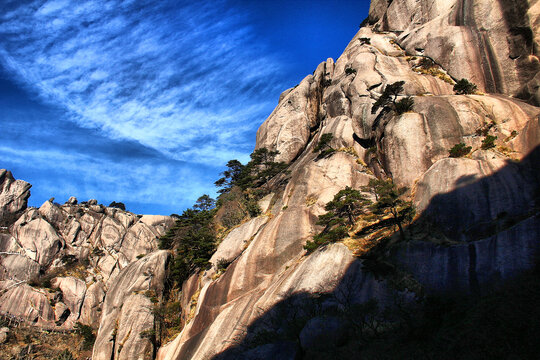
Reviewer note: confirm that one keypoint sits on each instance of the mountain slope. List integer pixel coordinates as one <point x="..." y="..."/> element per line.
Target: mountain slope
<point x="477" y="215"/>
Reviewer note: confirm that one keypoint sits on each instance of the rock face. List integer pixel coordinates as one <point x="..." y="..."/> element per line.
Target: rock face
<point x="14" y="194"/>
<point x="127" y="310"/>
<point x="492" y="43"/>
<point x="59" y="262"/>
<point x="482" y="204"/>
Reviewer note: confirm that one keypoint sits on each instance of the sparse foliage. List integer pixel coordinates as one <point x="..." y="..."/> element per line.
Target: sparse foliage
<point x="459" y="150"/>
<point x="488" y="142"/>
<point x="323" y="145"/>
<point x="341" y="211"/>
<point x="118" y="205"/>
<point x="388" y="99"/>
<point x="404" y="105"/>
<point x="230" y="176"/>
<point x="388" y="199"/>
<point x="365" y="41"/>
<point x="87" y="333"/>
<point x="464" y="87"/>
<point x="350" y="71"/>
<point x="204" y="203"/>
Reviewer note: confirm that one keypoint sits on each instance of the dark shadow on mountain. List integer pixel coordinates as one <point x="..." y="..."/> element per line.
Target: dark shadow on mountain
<point x="464" y="285"/>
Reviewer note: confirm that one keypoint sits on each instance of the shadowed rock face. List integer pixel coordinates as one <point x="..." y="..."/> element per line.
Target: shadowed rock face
<point x="269" y="263"/>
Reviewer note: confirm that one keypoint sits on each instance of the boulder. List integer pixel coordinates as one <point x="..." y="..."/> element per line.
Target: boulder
<point x="39" y="240"/>
<point x="24" y="302"/>
<point x="73" y="294"/>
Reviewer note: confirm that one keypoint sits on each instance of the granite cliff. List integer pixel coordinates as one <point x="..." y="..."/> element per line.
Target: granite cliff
<point x="477" y="215"/>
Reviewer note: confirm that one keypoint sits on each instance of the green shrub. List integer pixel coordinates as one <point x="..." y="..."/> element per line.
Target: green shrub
<point x="488" y="142"/>
<point x="404" y="105"/>
<point x="323" y="146"/>
<point x="388" y="99"/>
<point x="341" y="211"/>
<point x="350" y="71"/>
<point x="222" y="264"/>
<point x="460" y="150"/>
<point x="463" y="87"/>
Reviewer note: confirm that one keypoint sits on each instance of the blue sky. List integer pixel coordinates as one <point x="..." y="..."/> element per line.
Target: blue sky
<point x="144" y="102"/>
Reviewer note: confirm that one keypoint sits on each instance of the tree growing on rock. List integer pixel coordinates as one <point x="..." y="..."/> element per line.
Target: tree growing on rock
<point x="230" y="176"/>
<point x="388" y="199"/>
<point x="464" y="87"/>
<point x="459" y="150"/>
<point x="341" y="212"/>
<point x="488" y="142"/>
<point x="264" y="166"/>
<point x="389" y="99"/>
<point x="204" y="203"/>
<point x="323" y="146"/>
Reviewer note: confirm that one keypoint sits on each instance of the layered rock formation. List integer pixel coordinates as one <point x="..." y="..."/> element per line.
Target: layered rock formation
<point x="58" y="263"/>
<point x="482" y="208"/>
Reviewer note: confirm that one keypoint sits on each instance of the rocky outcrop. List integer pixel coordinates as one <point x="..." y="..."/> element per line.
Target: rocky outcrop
<point x="58" y="262"/>
<point x="128" y="310"/>
<point x="14" y="194"/>
<point x="24" y="302"/>
<point x="269" y="264"/>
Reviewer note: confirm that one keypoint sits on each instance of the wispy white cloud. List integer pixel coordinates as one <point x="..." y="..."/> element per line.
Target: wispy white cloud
<point x="187" y="80"/>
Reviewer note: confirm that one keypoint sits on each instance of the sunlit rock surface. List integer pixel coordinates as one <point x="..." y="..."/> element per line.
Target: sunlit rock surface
<point x="477" y="42"/>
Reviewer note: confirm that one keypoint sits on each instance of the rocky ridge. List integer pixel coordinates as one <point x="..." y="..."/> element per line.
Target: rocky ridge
<point x="59" y="262"/>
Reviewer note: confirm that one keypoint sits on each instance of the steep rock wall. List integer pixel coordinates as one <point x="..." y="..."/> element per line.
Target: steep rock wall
<point x="492" y="43"/>
<point x="270" y="264"/>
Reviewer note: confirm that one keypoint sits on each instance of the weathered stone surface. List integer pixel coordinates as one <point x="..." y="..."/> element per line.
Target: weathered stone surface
<point x="24" y="302"/>
<point x="93" y="301"/>
<point x="125" y="308"/>
<point x="492" y="43"/>
<point x="461" y="195"/>
<point x="73" y="293"/>
<point x="233" y="245"/>
<point x="136" y="319"/>
<point x="476" y="266"/>
<point x="38" y="239"/>
<point x="18" y="267"/>
<point x="4" y="333"/>
<point x="14" y="194"/>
